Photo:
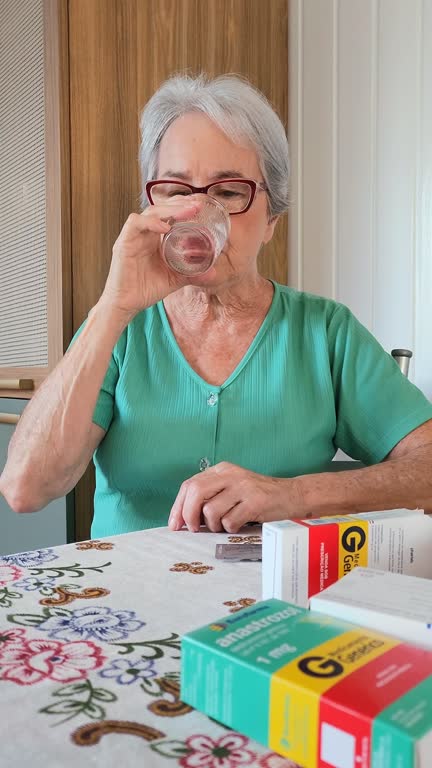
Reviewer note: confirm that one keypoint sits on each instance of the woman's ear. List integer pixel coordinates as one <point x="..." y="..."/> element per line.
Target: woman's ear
<point x="269" y="231"/>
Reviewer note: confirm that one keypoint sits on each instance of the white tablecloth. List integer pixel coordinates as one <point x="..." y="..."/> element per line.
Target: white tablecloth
<point x="89" y="652"/>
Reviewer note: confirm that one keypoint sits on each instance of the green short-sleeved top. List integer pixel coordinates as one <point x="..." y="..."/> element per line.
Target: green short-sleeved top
<point x="312" y="381"/>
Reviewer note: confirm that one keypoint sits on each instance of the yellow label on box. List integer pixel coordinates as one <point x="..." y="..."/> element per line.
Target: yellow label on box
<point x="353" y="545"/>
<point x="294" y="705"/>
<point x="293" y="722"/>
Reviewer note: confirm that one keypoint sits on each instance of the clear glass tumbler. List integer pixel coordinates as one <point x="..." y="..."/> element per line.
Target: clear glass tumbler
<point x="191" y="247"/>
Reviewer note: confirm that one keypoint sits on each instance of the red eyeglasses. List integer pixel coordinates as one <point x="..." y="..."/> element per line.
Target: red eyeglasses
<point x="237" y="195"/>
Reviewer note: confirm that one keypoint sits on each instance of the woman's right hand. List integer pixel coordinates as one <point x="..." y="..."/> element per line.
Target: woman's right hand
<point x="139" y="276"/>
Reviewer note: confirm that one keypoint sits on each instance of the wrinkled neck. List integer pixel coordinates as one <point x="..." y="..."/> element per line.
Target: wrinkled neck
<point x="231" y="304"/>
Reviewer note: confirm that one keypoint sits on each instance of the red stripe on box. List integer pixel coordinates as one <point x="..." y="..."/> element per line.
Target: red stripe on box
<point x="374" y="686"/>
<point x="348" y="725"/>
<point x="323" y="556"/>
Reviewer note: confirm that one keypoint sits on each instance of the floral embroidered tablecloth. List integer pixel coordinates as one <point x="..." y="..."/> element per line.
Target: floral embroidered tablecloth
<point x="90" y="652"/>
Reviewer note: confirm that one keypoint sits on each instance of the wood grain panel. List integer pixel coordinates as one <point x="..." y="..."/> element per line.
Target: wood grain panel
<point x="120" y="52"/>
<point x="104" y="137"/>
<point x="246" y="37"/>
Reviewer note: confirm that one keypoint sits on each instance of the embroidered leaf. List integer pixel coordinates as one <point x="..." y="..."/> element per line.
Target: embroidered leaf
<point x="94" y="711"/>
<point x="73" y="689"/>
<point x="171" y="748"/>
<point x="75" y="571"/>
<point x="54" y="611"/>
<point x="7" y="596"/>
<point x="26" y="619"/>
<point x="62" y="707"/>
<point x="152" y="687"/>
<point x="154" y="648"/>
<point x="172" y="676"/>
<point x="34" y="619"/>
<point x="46" y="591"/>
<point x="79" y="701"/>
<point x="103" y="695"/>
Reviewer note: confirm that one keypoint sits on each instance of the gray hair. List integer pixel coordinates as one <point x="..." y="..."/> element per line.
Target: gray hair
<point x="241" y="111"/>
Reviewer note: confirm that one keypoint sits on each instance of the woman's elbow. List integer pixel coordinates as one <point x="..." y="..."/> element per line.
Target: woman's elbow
<point x="17" y="496"/>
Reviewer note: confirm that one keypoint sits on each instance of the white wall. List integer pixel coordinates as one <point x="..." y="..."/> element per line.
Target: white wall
<point x="360" y="129"/>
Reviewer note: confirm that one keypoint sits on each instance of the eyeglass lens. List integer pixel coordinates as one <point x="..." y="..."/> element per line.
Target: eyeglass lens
<point x="234" y="195"/>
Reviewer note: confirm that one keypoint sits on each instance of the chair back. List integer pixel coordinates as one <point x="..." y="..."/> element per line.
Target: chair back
<point x="402" y="357"/>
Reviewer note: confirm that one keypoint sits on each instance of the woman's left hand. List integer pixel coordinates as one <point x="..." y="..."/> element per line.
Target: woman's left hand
<point x="226" y="497"/>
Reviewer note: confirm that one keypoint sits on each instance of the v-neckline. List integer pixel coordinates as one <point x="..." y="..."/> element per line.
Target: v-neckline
<point x="242" y="363"/>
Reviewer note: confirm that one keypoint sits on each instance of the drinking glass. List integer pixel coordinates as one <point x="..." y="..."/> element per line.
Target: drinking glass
<point x="191" y="247"/>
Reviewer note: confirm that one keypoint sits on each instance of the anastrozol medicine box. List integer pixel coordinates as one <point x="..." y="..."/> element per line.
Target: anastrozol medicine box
<point x="301" y="558"/>
<point x="387" y="602"/>
<point x="322" y="692"/>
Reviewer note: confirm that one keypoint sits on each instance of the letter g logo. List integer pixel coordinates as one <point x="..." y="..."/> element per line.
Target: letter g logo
<point x="319" y="666"/>
<point x="353" y="538"/>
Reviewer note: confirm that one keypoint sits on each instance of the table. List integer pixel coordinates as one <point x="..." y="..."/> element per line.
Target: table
<point x="90" y="647"/>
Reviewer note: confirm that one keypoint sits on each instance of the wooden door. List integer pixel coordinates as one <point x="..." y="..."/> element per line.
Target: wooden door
<point x="120" y="52"/>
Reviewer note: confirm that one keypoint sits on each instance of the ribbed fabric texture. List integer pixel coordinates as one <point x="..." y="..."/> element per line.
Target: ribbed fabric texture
<point x="312" y="381"/>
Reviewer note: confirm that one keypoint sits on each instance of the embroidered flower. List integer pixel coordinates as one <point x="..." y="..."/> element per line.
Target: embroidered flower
<point x="35" y="583"/>
<point x="11" y="636"/>
<point x="31" y="661"/>
<point x="94" y="622"/>
<point x="9" y="573"/>
<point x="94" y="544"/>
<point x="29" y="559"/>
<point x="272" y="760"/>
<point x="127" y="671"/>
<point x="227" y="752"/>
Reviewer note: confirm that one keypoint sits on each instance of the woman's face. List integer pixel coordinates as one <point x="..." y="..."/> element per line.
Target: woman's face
<point x="196" y="151"/>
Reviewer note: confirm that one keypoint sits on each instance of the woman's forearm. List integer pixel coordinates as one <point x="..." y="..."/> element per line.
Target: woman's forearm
<point x="52" y="437"/>
<point x="402" y="483"/>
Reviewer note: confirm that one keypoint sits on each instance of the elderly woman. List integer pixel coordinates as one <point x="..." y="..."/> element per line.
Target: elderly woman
<point x="227" y="372"/>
